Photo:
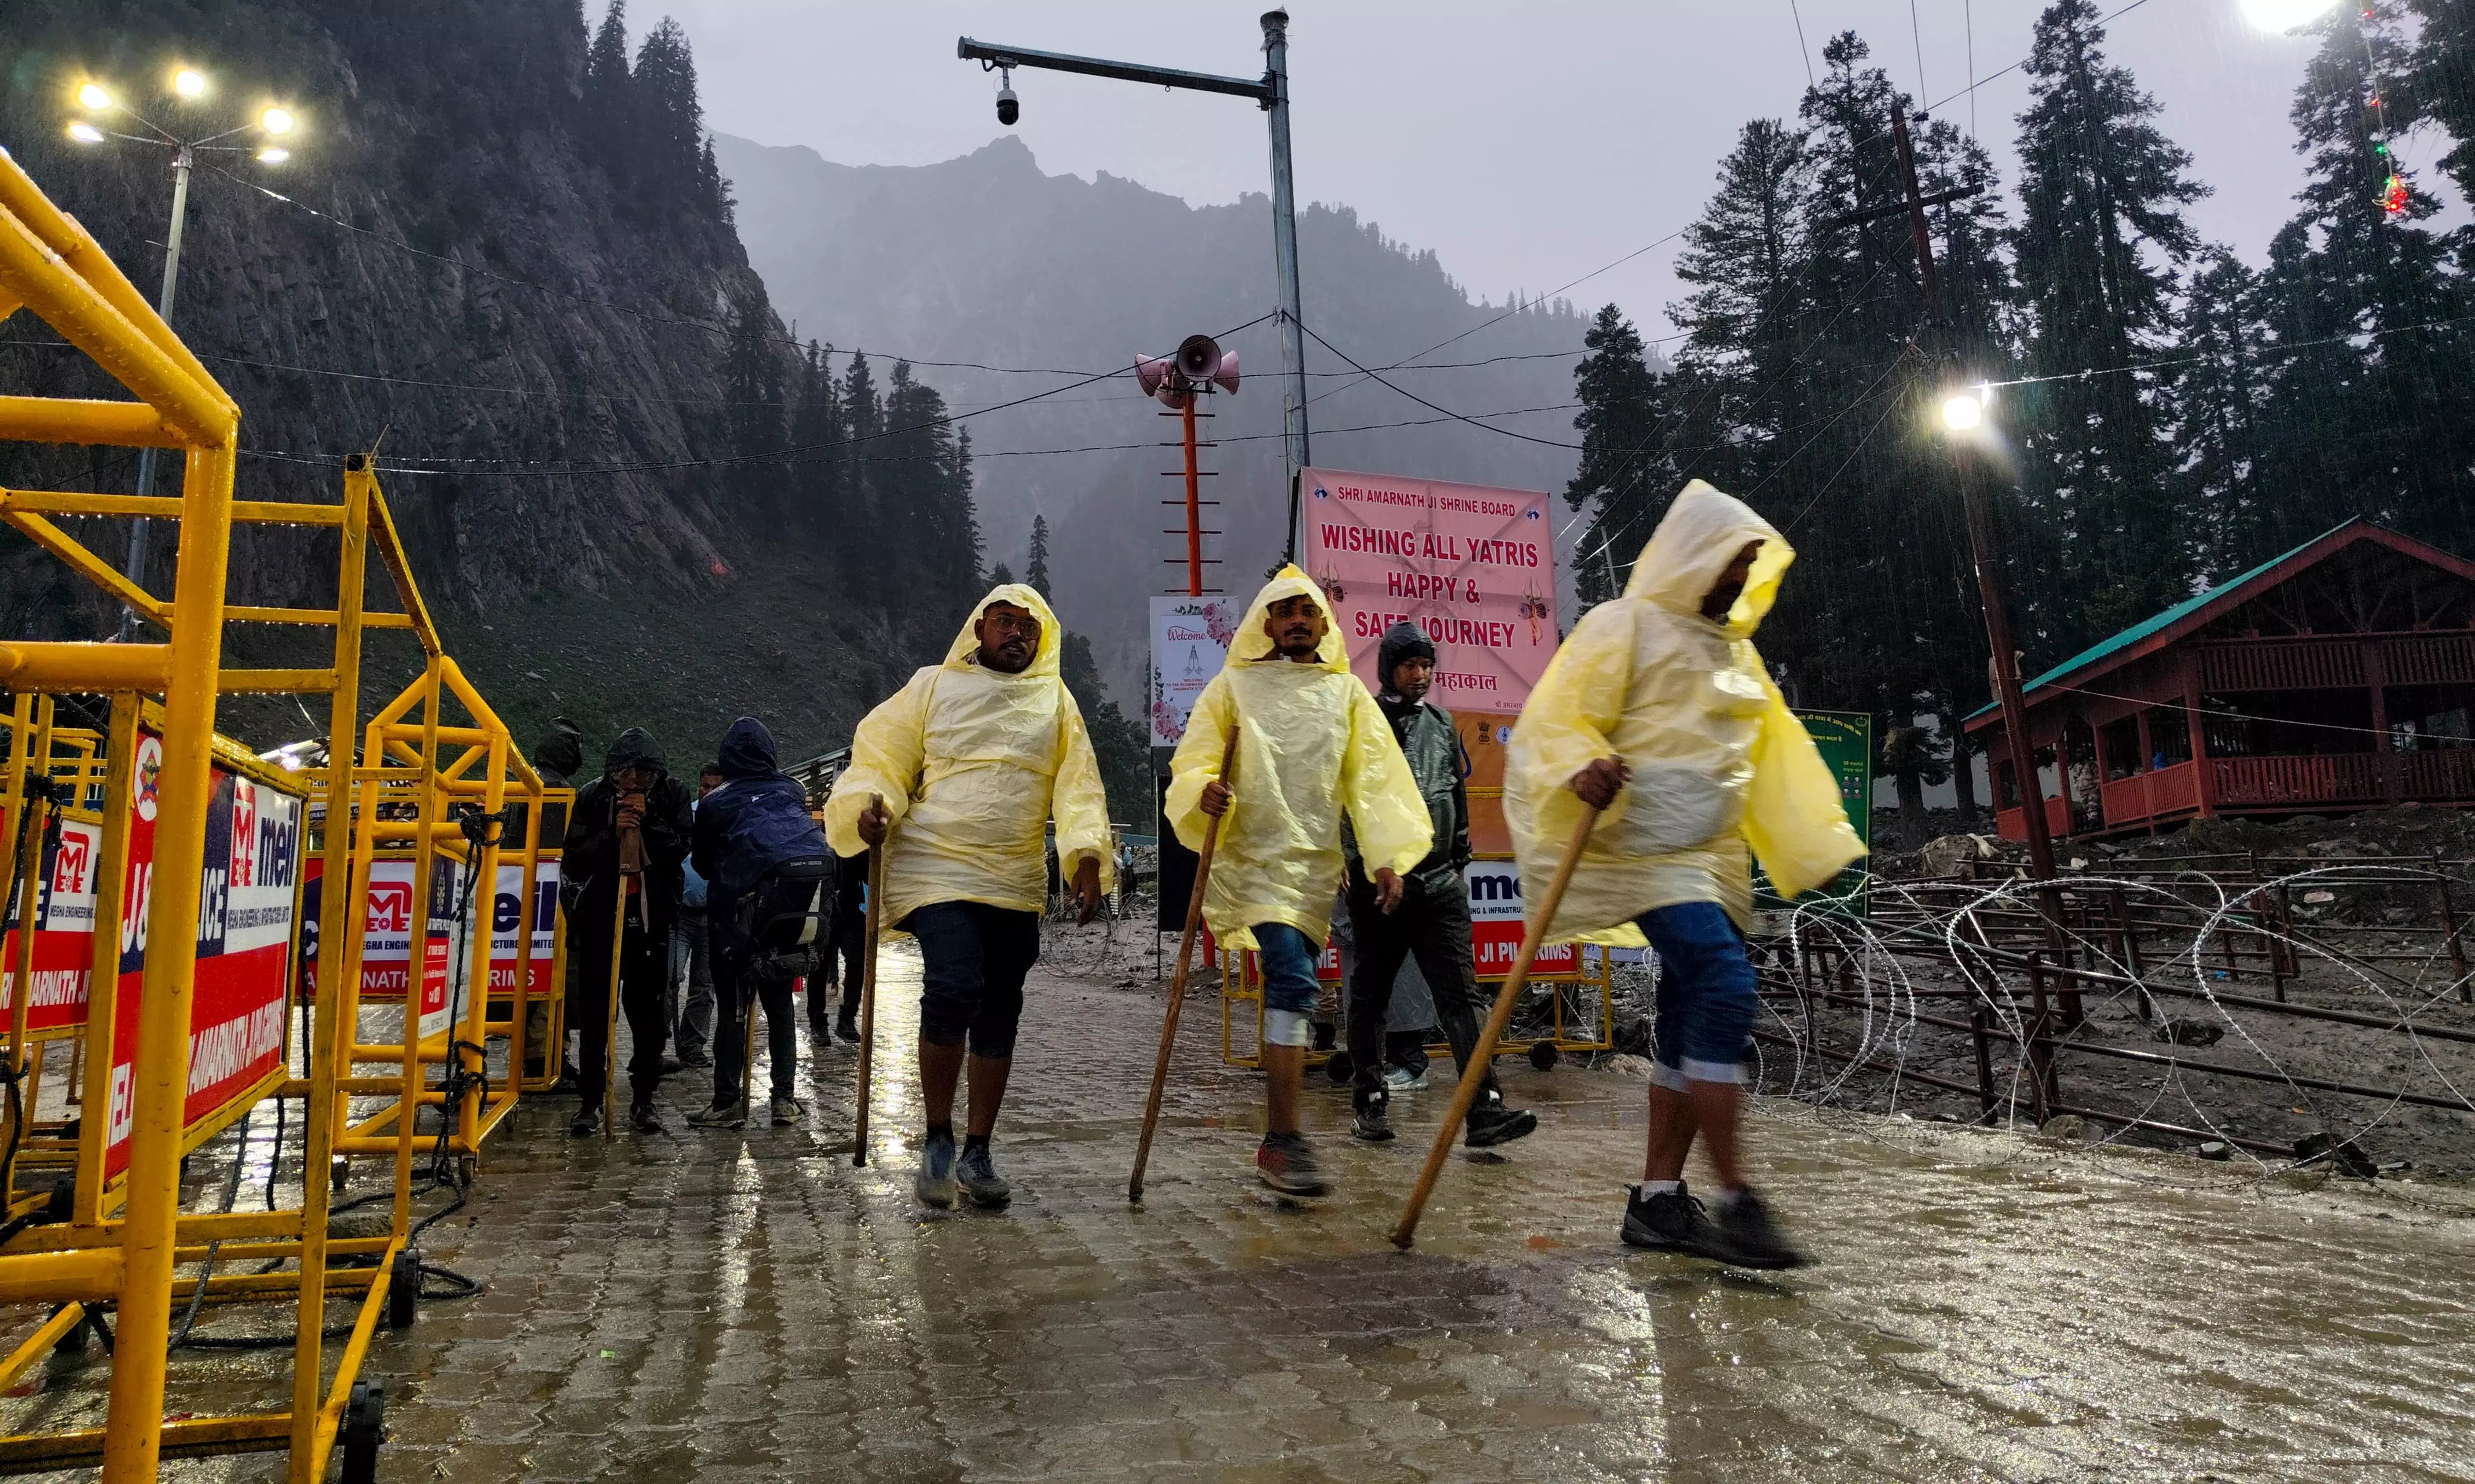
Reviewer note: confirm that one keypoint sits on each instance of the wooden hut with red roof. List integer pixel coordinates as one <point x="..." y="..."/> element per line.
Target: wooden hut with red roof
<point x="2339" y="676"/>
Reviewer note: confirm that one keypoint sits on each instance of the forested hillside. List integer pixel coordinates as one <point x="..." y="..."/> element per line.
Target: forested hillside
<point x="502" y="254"/>
<point x="2165" y="415"/>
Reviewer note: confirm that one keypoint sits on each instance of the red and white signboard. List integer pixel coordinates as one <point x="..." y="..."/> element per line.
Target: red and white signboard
<point x="504" y="920"/>
<point x="386" y="935"/>
<point x="246" y="905"/>
<point x="1495" y="924"/>
<point x="1473" y="566"/>
<point x="64" y="928"/>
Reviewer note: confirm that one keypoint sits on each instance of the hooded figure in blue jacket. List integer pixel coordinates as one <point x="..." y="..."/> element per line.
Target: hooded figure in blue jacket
<point x="757" y="821"/>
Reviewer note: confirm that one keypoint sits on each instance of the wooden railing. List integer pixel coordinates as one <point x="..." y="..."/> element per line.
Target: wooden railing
<point x="2439" y="774"/>
<point x="2012" y="823"/>
<point x="2172" y="790"/>
<point x="2347" y="778"/>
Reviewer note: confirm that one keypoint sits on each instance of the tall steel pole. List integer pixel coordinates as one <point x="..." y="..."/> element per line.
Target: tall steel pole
<point x="1285" y="258"/>
<point x="134" y="569"/>
<point x="1271" y="93"/>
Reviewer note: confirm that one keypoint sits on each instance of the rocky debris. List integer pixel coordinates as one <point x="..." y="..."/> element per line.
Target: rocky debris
<point x="2346" y="1158"/>
<point x="1626" y="1064"/>
<point x="2071" y="1128"/>
<point x="1946" y="855"/>
<point x="2215" y="1149"/>
<point x="2190" y="1033"/>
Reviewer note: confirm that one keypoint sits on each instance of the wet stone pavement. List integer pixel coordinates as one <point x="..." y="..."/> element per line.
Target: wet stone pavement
<point x="747" y="1306"/>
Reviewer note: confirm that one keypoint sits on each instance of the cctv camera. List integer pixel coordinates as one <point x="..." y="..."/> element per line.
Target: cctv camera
<point x="1009" y="107"/>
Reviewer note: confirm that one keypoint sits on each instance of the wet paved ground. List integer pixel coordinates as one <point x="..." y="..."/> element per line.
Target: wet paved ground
<point x="729" y="1306"/>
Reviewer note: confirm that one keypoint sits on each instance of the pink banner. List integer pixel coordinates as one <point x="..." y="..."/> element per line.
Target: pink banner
<point x="1472" y="566"/>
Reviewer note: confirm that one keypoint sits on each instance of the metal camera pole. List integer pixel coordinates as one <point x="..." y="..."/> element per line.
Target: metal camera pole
<point x="1271" y="93"/>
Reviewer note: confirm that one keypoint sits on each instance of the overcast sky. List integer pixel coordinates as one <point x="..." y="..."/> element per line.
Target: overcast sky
<point x="1528" y="144"/>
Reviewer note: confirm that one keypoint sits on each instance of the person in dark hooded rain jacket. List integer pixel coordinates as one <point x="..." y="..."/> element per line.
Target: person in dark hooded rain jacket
<point x="757" y="821"/>
<point x="1432" y="923"/>
<point x="558" y="758"/>
<point x="634" y="790"/>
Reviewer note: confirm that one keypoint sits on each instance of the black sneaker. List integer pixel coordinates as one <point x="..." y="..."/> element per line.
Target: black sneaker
<point x="1286" y="1163"/>
<point x="1373" y="1124"/>
<point x="976" y="1172"/>
<point x="1491" y="1123"/>
<point x="586" y="1124"/>
<point x="1754" y="1235"/>
<point x="1672" y="1220"/>
<point x="847" y="1028"/>
<point x="642" y="1118"/>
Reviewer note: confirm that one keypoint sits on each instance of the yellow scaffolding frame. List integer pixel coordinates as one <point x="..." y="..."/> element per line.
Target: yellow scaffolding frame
<point x="50" y="266"/>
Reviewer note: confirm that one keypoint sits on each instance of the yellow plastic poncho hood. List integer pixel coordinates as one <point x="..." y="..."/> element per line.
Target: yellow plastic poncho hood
<point x="973" y="765"/>
<point x="1719" y="761"/>
<point x="1311" y="744"/>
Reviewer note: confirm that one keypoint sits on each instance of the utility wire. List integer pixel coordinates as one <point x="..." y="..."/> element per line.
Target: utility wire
<point x="1970" y="90"/>
<point x="1552" y="443"/>
<point x="529" y="469"/>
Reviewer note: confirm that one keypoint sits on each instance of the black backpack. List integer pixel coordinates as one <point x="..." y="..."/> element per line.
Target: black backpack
<point x="786" y="917"/>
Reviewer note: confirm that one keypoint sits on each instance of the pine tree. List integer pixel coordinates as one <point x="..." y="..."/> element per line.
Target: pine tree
<point x="815" y="433"/>
<point x="2373" y="407"/>
<point x="2101" y="231"/>
<point x="864" y="528"/>
<point x="671" y="120"/>
<point x="1035" y="571"/>
<point x="2219" y="420"/>
<point x="1000" y="575"/>
<point x="751" y="373"/>
<point x="1746" y="256"/>
<point x="609" y="101"/>
<point x="1623" y="458"/>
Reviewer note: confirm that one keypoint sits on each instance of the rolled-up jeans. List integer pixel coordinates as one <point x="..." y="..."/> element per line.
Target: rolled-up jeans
<point x="1707" y="995"/>
<point x="1289" y="986"/>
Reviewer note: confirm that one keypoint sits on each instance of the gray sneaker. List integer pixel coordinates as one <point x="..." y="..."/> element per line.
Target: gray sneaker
<point x="1753" y="1234"/>
<point x="732" y="1114"/>
<point x="1672" y="1220"/>
<point x="977" y="1174"/>
<point x="787" y="1111"/>
<point x="934" y="1184"/>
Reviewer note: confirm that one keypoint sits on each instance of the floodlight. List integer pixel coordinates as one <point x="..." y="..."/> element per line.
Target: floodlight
<point x="85" y="134"/>
<point x="93" y="96"/>
<point x="1963" y="413"/>
<point x="276" y="120"/>
<point x="274" y="154"/>
<point x="188" y="84"/>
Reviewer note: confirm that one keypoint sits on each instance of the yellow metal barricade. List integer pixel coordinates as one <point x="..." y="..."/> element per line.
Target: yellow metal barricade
<point x="148" y="783"/>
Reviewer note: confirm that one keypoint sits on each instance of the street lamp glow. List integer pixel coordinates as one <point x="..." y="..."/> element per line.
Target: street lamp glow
<point x="84" y="132"/>
<point x="188" y="84"/>
<point x="2285" y="14"/>
<point x="274" y="154"/>
<point x="1963" y="413"/>
<point x="276" y="120"/>
<point x="93" y="96"/>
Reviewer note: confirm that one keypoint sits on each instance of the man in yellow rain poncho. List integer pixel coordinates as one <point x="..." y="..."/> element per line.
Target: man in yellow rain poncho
<point x="1658" y="711"/>
<point x="972" y="759"/>
<point x="1312" y="744"/>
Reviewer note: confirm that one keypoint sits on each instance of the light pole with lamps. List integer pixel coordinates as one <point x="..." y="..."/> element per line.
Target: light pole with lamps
<point x="188" y="85"/>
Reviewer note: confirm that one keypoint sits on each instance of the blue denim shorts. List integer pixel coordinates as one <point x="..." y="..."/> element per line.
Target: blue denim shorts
<point x="1707" y="995"/>
<point x="1289" y="967"/>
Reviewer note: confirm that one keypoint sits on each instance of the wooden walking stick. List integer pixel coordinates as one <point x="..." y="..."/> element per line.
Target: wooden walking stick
<point x="631" y="867"/>
<point x="1474" y="1075"/>
<point x="1177" y="982"/>
<point x="868" y="987"/>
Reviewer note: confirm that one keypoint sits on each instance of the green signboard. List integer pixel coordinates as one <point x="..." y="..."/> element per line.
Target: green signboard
<point x="1846" y="739"/>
